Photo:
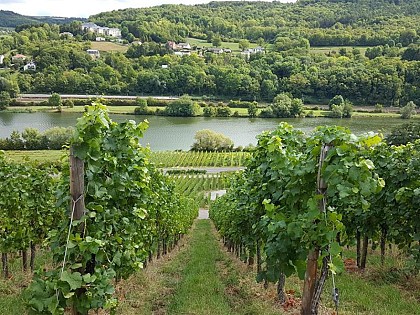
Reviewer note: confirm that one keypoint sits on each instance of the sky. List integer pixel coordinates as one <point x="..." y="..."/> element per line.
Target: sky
<point x="83" y="8"/>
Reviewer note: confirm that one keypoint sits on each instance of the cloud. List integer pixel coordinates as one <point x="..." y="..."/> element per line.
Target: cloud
<point x="11" y="1"/>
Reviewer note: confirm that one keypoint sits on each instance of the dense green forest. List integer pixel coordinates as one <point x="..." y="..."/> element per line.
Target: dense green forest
<point x="333" y="23"/>
<point x="374" y="54"/>
<point x="12" y="19"/>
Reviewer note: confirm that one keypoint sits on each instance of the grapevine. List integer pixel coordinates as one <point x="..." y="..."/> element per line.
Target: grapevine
<point x="131" y="212"/>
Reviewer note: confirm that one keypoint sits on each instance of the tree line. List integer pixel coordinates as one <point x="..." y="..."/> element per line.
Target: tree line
<point x="385" y="73"/>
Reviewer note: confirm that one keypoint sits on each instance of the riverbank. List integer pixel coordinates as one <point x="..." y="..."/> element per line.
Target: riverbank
<point x="309" y="112"/>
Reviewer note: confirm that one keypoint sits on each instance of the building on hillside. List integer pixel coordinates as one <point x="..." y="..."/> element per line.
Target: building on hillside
<point x="178" y="47"/>
<point x="1" y="59"/>
<point x="171" y="45"/>
<point x="94" y="53"/>
<point x="99" y="30"/>
<point x="29" y="66"/>
<point x="182" y="53"/>
<point x="184" y="46"/>
<point x="18" y="57"/>
<point x="251" y="51"/>
<point x="214" y="50"/>
<point x="113" y="32"/>
<point x="100" y="39"/>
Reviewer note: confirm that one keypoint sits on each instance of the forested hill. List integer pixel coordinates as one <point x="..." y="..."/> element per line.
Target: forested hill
<point x="355" y="22"/>
<point x="12" y="19"/>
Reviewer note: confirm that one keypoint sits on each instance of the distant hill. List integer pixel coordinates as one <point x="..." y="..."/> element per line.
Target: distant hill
<point x="12" y="19"/>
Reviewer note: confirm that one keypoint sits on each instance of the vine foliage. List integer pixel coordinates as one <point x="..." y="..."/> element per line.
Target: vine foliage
<point x="273" y="206"/>
<point x="130" y="210"/>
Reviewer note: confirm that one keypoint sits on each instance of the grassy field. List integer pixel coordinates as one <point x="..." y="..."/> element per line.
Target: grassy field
<point x="200" y="279"/>
<point x="109" y="47"/>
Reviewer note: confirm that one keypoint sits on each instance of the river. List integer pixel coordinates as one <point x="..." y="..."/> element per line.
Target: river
<point x="171" y="133"/>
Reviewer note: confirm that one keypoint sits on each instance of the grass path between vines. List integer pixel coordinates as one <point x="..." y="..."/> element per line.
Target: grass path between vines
<point x="199" y="279"/>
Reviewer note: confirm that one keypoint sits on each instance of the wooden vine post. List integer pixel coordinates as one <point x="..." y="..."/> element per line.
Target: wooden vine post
<point x="313" y="255"/>
<point x="77" y="188"/>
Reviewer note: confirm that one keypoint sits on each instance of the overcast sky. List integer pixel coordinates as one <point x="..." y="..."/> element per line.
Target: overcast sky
<point x="83" y="8"/>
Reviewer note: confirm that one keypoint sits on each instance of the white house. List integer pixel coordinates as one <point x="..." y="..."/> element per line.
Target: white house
<point x="113" y="32"/>
<point x="94" y="53"/>
<point x="184" y="46"/>
<point x="182" y="53"/>
<point x="99" y="30"/>
<point x="100" y="39"/>
<point x="1" y="59"/>
<point x="29" y="66"/>
<point x="215" y="50"/>
<point x="89" y="27"/>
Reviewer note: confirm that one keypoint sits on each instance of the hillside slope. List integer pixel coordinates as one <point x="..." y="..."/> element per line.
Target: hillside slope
<point x="12" y="19"/>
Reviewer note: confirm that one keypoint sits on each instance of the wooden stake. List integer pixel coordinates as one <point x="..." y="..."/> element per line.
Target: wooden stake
<point x="312" y="260"/>
<point x="77" y="205"/>
<point x="77" y="186"/>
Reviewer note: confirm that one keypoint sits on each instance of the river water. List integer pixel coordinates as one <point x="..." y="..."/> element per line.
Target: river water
<point x="172" y="133"/>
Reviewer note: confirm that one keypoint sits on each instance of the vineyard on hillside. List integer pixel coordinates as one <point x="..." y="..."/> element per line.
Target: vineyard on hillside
<point x="198" y="158"/>
<point x="302" y="198"/>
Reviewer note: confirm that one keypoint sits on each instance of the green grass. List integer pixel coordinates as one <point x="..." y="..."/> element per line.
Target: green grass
<point x="198" y="278"/>
<point x="200" y="291"/>
<point x="109" y="47"/>
<point x="11" y="290"/>
<point x="209" y="283"/>
<point x="363" y="296"/>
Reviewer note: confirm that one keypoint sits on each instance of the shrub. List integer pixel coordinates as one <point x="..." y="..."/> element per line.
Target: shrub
<point x="347" y="109"/>
<point x="156" y="102"/>
<point x="209" y="111"/>
<point x="336" y="111"/>
<point x="183" y="107"/>
<point x="208" y="140"/>
<point x="54" y="100"/>
<point x="284" y="106"/>
<point x="223" y="111"/>
<point x="141" y="108"/>
<point x="5" y="99"/>
<point x="31" y="139"/>
<point x="68" y="103"/>
<point x="267" y="113"/>
<point x="310" y="114"/>
<point x="252" y="109"/>
<point x="378" y="108"/>
<point x="408" y="110"/>
<point x="336" y="100"/>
